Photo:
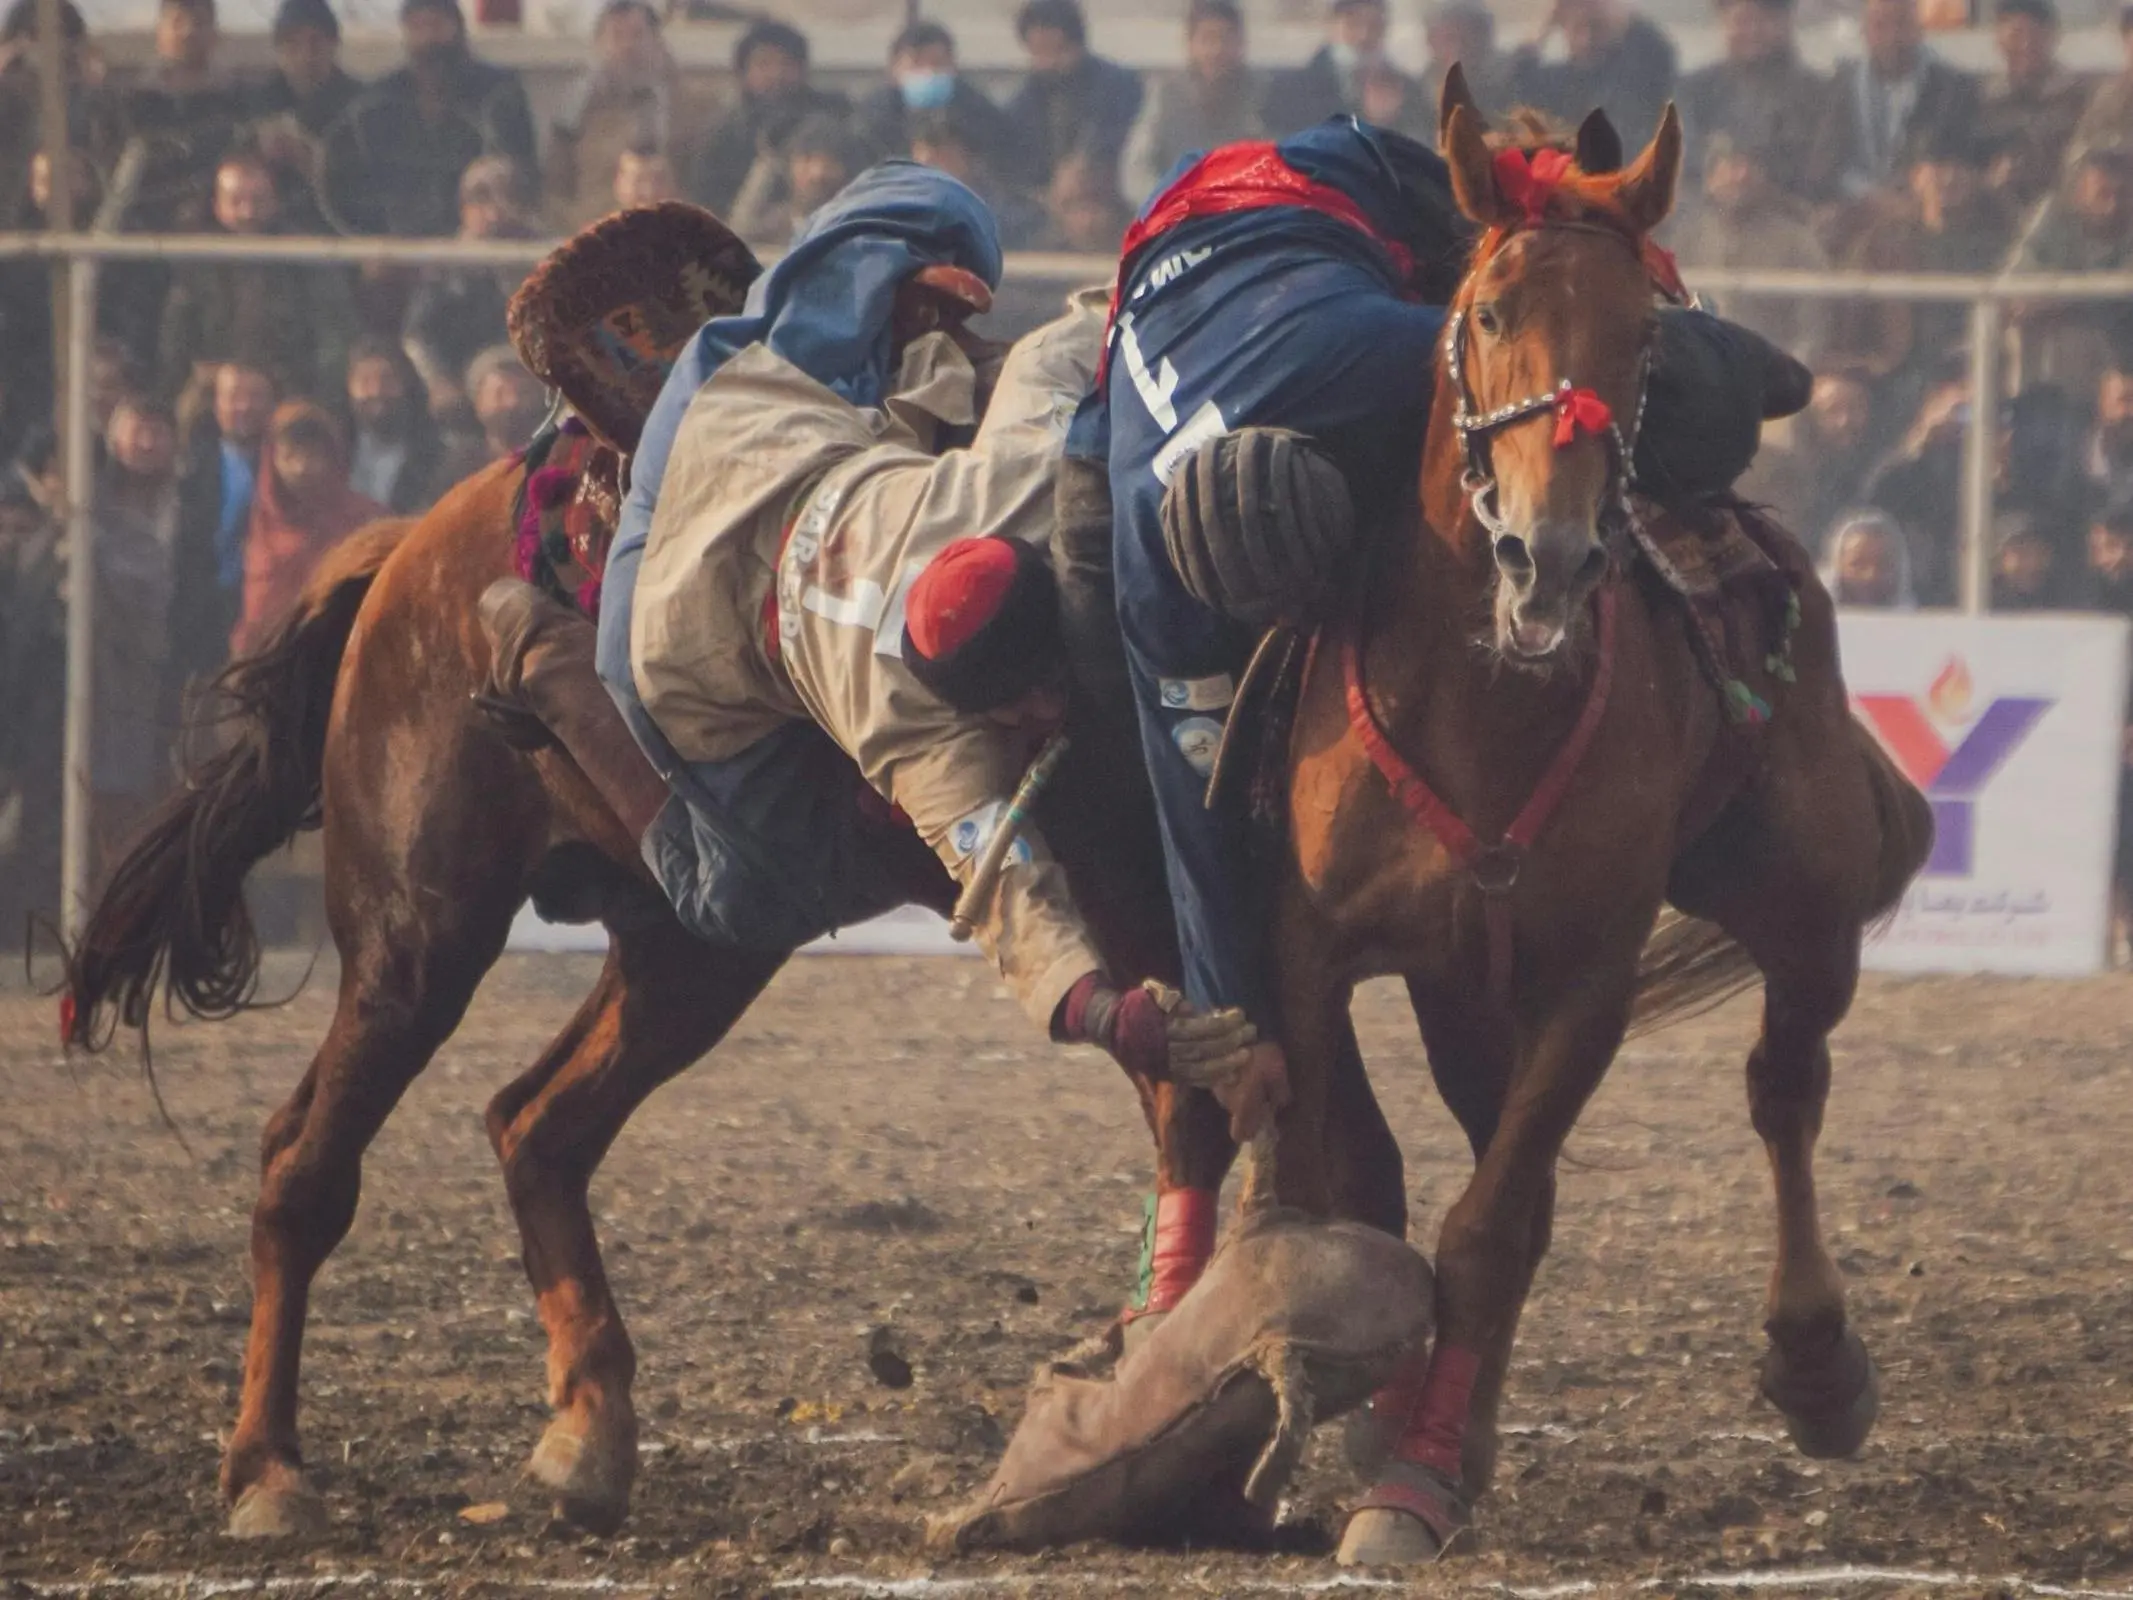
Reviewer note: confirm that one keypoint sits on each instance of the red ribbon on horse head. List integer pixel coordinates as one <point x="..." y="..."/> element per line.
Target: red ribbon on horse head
<point x="1528" y="180"/>
<point x="1579" y="408"/>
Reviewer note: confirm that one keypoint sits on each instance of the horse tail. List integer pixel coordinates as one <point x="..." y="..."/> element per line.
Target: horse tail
<point x="172" y="919"/>
<point x="1688" y="966"/>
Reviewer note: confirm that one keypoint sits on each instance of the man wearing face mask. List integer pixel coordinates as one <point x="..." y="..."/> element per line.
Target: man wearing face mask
<point x="923" y="78"/>
<point x="1332" y="81"/>
<point x="393" y="163"/>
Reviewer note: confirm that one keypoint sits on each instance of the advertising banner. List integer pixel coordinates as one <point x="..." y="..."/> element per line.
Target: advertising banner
<point x="2013" y="728"/>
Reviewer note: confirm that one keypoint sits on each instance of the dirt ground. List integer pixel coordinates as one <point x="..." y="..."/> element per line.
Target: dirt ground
<point x="847" y="1163"/>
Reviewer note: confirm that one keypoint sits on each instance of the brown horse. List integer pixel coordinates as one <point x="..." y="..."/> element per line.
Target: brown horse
<point x="357" y="716"/>
<point x="1513" y="677"/>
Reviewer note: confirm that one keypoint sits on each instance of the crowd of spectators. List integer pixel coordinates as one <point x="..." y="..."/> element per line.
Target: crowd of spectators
<point x="249" y="413"/>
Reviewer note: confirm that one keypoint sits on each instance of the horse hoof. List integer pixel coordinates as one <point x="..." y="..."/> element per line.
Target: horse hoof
<point x="282" y="1508"/>
<point x="1411" y="1516"/>
<point x="1381" y="1537"/>
<point x="590" y="1476"/>
<point x="1829" y="1406"/>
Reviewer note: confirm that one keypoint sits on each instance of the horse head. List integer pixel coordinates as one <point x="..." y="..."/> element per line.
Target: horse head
<point x="1547" y="351"/>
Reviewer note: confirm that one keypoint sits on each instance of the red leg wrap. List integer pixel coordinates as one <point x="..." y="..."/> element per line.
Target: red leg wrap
<point x="1436" y="1428"/>
<point x="1184" y="1241"/>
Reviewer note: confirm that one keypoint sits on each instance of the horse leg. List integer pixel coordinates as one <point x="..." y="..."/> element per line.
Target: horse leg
<point x="1487" y="1252"/>
<point x="403" y="991"/>
<point x="662" y="1001"/>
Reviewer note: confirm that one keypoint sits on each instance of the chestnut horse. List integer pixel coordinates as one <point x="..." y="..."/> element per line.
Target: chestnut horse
<point x="357" y="716"/>
<point x="1512" y="677"/>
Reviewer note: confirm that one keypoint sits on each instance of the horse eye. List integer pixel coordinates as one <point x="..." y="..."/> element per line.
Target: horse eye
<point x="1486" y="320"/>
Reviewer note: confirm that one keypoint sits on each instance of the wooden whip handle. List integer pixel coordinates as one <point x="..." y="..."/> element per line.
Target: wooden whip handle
<point x="985" y="877"/>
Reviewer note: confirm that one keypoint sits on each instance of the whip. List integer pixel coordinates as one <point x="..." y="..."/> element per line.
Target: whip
<point x="970" y="904"/>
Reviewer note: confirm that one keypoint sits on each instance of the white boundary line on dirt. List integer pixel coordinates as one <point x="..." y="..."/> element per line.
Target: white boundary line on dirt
<point x="202" y="1586"/>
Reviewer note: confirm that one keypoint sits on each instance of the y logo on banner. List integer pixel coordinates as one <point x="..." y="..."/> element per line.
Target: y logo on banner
<point x="1952" y="776"/>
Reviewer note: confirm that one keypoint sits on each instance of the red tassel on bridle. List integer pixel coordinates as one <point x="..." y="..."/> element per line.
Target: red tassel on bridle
<point x="1528" y="180"/>
<point x="1580" y="408"/>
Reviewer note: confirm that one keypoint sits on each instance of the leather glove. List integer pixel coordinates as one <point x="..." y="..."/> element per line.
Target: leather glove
<point x="1154" y="1033"/>
<point x="1222" y="1052"/>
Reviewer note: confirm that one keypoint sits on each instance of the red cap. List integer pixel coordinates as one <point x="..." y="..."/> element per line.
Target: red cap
<point x="960" y="591"/>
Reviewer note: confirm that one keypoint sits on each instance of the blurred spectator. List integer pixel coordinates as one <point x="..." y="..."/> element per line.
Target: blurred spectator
<point x="1867" y="564"/>
<point x="507" y="402"/>
<point x="1614" y="59"/>
<point x="923" y="79"/>
<point x="2039" y="466"/>
<point x="1214" y="101"/>
<point x="295" y="317"/>
<point x="644" y="177"/>
<point x="1949" y="220"/>
<point x="303" y="98"/>
<point x="93" y="124"/>
<point x="393" y="162"/>
<point x="2026" y="573"/>
<point x="1887" y="108"/>
<point x="2029" y="110"/>
<point x="1071" y="102"/>
<point x="135" y="507"/>
<point x="1823" y="467"/>
<point x="2108" y="574"/>
<point x="2108" y="458"/>
<point x="1083" y="209"/>
<point x="784" y="188"/>
<point x="457" y="312"/>
<point x="632" y="97"/>
<point x="1746" y="220"/>
<point x="1331" y="82"/>
<point x="1464" y="31"/>
<point x="304" y="508"/>
<point x="938" y="140"/>
<point x="1920" y="485"/>
<point x="1391" y="99"/>
<point x="179" y="120"/>
<point x="771" y="63"/>
<point x="219" y="477"/>
<point x="396" y="455"/>
<point x="32" y="712"/>
<point x="26" y="291"/>
<point x="1761" y="98"/>
<point x="2109" y="117"/>
<point x="2086" y="227"/>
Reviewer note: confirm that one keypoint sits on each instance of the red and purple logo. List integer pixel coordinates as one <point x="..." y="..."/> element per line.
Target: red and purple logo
<point x="1917" y="735"/>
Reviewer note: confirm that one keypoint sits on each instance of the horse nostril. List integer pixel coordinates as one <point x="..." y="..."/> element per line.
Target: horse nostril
<point x="1592" y="568"/>
<point x="1514" y="556"/>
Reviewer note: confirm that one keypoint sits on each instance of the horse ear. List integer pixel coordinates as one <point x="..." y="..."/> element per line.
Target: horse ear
<point x="1599" y="146"/>
<point x="1454" y="94"/>
<point x="1473" y="168"/>
<point x="1646" y="191"/>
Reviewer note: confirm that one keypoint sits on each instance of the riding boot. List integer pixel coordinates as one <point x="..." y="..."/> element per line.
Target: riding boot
<point x="542" y="665"/>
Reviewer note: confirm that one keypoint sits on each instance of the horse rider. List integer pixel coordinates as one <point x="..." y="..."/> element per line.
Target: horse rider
<point x="815" y="623"/>
<point x="1274" y="333"/>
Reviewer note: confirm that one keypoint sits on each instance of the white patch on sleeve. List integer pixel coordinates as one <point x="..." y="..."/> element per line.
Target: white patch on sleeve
<point x="889" y="632"/>
<point x="1198" y="740"/>
<point x="969" y="835"/>
<point x="1198" y="694"/>
<point x="1207" y="423"/>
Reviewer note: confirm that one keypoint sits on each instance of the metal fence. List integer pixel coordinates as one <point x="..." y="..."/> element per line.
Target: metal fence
<point x="79" y="255"/>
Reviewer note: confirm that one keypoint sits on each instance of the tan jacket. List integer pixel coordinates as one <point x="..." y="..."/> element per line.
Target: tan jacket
<point x="763" y="447"/>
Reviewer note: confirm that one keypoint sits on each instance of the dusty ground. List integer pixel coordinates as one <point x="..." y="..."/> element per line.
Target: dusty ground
<point x="841" y="1166"/>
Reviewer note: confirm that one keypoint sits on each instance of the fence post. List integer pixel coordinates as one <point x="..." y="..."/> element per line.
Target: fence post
<point x="1980" y="447"/>
<point x="78" y="798"/>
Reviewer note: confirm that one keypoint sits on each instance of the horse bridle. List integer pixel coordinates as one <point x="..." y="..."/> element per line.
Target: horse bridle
<point x="1564" y="400"/>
